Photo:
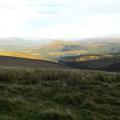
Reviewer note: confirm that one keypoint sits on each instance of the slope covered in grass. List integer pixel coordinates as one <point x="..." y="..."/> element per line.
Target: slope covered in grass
<point x="34" y="94"/>
<point x="18" y="54"/>
<point x="10" y="61"/>
<point x="105" y="62"/>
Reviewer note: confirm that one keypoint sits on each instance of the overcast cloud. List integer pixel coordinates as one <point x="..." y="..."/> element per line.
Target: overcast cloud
<point x="61" y="19"/>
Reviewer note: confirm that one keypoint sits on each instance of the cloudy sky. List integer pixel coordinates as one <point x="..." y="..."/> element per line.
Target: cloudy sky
<point x="61" y="19"/>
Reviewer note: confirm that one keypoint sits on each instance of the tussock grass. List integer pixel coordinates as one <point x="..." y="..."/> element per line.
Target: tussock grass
<point x="34" y="94"/>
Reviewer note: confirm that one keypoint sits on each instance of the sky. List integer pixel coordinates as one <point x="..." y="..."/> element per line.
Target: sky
<point x="59" y="19"/>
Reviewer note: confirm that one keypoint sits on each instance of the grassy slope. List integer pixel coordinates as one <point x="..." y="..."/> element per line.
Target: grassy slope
<point x="59" y="95"/>
<point x="109" y="62"/>
<point x="18" y="54"/>
<point x="8" y="61"/>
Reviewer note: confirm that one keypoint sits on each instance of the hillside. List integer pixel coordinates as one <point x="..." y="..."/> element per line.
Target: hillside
<point x="98" y="54"/>
<point x="106" y="62"/>
<point x="18" y="44"/>
<point x="57" y="49"/>
<point x="59" y="95"/>
<point x="19" y="54"/>
<point x="7" y="61"/>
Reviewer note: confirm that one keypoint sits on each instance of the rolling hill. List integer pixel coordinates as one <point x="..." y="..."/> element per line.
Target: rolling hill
<point x="8" y="61"/>
<point x="18" y="54"/>
<point x="99" y="53"/>
<point x="18" y="44"/>
<point x="54" y="50"/>
<point x="34" y="89"/>
<point x="106" y="62"/>
<point x="58" y="49"/>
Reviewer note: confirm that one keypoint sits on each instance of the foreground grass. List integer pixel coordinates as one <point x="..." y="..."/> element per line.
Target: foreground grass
<point x="59" y="95"/>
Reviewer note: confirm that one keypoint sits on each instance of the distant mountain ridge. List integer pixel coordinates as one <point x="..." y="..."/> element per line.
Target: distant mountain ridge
<point x="19" y="47"/>
<point x="62" y="51"/>
<point x="57" y="49"/>
<point x="13" y="43"/>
